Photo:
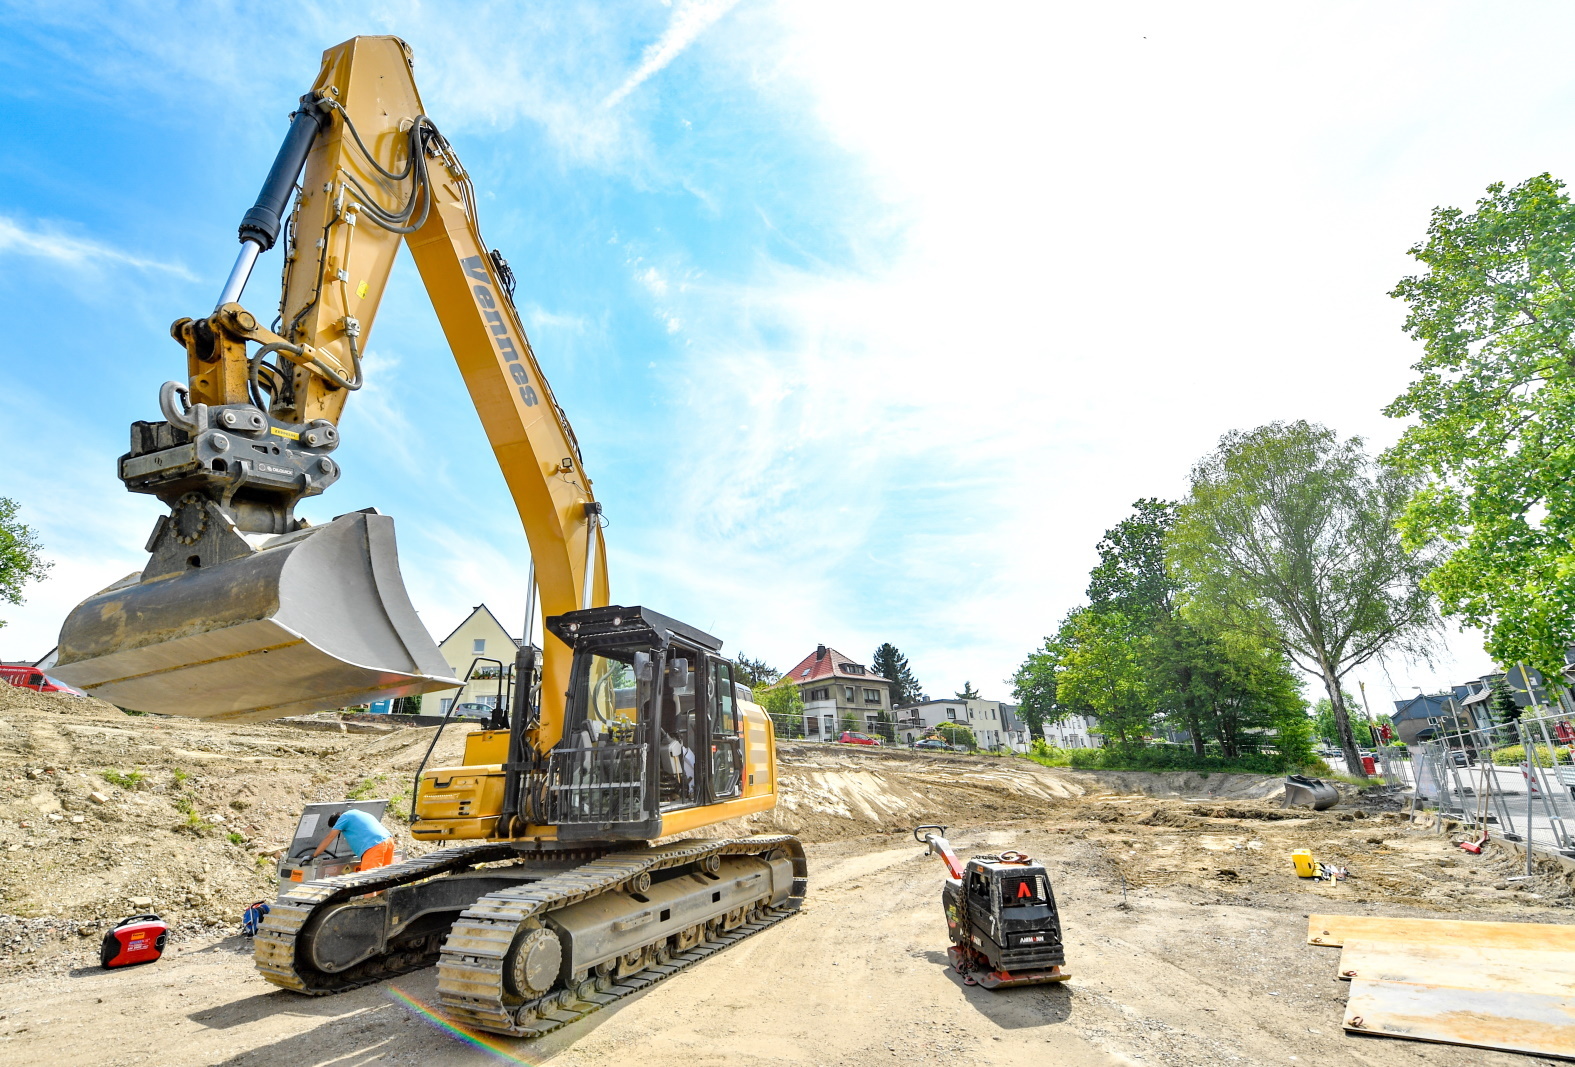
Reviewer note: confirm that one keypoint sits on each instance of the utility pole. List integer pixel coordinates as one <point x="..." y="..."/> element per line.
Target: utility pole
<point x="1373" y="733"/>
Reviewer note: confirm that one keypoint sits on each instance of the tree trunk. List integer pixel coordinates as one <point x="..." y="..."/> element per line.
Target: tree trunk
<point x="1342" y="724"/>
<point x="1195" y="729"/>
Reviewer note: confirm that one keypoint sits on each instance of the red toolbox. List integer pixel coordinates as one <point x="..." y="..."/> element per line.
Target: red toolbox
<point x="139" y="939"/>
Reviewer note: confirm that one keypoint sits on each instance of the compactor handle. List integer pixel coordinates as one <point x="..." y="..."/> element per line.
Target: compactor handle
<point x="939" y="844"/>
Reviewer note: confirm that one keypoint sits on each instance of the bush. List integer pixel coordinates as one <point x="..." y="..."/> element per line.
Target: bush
<point x="1048" y="755"/>
<point x="1515" y="755"/>
<point x="1176" y="758"/>
<point x="957" y="734"/>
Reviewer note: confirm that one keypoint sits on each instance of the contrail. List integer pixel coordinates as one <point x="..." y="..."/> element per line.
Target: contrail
<point x="689" y="21"/>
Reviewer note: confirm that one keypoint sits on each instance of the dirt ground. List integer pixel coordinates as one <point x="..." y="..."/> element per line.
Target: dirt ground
<point x="1184" y="924"/>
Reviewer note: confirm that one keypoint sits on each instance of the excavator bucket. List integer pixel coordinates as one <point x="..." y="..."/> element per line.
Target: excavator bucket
<point x="309" y="621"/>
<point x="1313" y="792"/>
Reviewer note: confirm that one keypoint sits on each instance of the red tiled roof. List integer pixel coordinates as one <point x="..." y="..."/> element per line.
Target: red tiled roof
<point x="829" y="666"/>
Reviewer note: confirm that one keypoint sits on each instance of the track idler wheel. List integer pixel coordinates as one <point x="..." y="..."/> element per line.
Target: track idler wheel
<point x="533" y="962"/>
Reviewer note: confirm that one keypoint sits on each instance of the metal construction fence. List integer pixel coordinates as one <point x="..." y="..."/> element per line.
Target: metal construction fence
<point x="1515" y="781"/>
<point x="828" y="727"/>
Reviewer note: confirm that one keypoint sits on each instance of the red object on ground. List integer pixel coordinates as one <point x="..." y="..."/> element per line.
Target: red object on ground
<point x="139" y="939"/>
<point x="1369" y="765"/>
<point x="33" y="678"/>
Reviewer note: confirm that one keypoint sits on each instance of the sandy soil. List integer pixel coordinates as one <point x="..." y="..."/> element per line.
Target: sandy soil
<point x="1202" y="962"/>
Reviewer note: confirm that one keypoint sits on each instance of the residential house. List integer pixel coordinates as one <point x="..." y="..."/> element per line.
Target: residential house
<point x="988" y="719"/>
<point x="1419" y="718"/>
<point x="482" y="636"/>
<point x="837" y="689"/>
<point x="1075" y="731"/>
<point x="1014" y="731"/>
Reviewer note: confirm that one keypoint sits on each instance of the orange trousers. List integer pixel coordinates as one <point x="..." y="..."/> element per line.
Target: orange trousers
<point x="379" y="855"/>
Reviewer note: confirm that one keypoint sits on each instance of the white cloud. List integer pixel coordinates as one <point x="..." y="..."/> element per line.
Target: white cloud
<point x="540" y="318"/>
<point x="690" y="19"/>
<point x="17" y="239"/>
<point x="1097" y="241"/>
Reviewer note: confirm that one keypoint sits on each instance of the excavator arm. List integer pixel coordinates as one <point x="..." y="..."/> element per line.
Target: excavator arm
<point x="245" y="612"/>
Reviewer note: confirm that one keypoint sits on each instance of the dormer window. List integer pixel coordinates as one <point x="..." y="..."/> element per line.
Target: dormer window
<point x="850" y="668"/>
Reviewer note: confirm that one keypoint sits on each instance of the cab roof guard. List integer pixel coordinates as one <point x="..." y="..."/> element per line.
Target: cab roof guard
<point x="615" y="625"/>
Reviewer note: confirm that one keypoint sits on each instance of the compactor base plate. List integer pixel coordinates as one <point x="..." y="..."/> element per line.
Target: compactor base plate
<point x="961" y="962"/>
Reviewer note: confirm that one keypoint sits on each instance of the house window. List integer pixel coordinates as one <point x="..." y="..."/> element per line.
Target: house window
<point x="478" y="646"/>
<point x="847" y="693"/>
<point x="872" y="696"/>
<point x="444" y="704"/>
<point x="820" y="694"/>
<point x="850" y="668"/>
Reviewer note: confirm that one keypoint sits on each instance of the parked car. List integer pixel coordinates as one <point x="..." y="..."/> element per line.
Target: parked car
<point x="850" y="738"/>
<point x="33" y="678"/>
<point x="932" y="744"/>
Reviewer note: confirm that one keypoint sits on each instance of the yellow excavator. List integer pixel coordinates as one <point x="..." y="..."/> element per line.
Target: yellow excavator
<point x="565" y="884"/>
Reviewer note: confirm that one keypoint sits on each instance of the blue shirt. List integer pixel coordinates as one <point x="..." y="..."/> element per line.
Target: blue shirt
<point x="360" y="830"/>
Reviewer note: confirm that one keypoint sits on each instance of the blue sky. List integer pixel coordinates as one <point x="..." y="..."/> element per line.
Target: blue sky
<point x="870" y="318"/>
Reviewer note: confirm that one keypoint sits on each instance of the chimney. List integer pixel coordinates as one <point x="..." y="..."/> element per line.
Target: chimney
<point x="820" y="652"/>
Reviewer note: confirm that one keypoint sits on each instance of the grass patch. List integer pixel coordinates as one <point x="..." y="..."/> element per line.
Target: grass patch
<point x="194" y="823"/>
<point x="365" y="788"/>
<point x="1157" y="759"/>
<point x="180" y="777"/>
<point x="128" y="780"/>
<point x="235" y="838"/>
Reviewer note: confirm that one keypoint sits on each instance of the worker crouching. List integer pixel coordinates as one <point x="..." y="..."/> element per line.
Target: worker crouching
<point x="372" y="844"/>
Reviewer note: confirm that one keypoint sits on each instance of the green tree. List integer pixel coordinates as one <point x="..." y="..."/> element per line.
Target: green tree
<point x="785" y="705"/>
<point x="1131" y="576"/>
<point x="1506" y="711"/>
<point x="893" y="666"/>
<point x="1289" y="535"/>
<point x="955" y="733"/>
<point x="967" y="692"/>
<point x="1103" y="670"/>
<point x="408" y="705"/>
<point x="21" y="555"/>
<point x="1325" y="728"/>
<point x="1226" y="685"/>
<point x="754" y="672"/>
<point x="1494" y="411"/>
<point x="1034" y="686"/>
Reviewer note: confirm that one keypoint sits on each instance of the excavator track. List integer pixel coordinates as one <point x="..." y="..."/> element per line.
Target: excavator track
<point x="471" y="967"/>
<point x="274" y="949"/>
<point x="470" y="961"/>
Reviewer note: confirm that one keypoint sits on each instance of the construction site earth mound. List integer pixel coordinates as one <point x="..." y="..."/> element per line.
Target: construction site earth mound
<point x="1185" y="923"/>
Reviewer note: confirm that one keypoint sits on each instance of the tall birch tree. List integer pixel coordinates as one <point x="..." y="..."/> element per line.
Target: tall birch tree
<point x="1289" y="534"/>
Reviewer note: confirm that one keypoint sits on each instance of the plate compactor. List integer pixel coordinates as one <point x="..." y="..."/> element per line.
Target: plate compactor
<point x="1001" y="916"/>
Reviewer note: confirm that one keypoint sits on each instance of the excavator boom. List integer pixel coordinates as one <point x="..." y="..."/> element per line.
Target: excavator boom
<point x="244" y="612"/>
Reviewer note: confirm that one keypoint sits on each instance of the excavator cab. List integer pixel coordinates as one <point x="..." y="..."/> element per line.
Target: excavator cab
<point x="648" y="699"/>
